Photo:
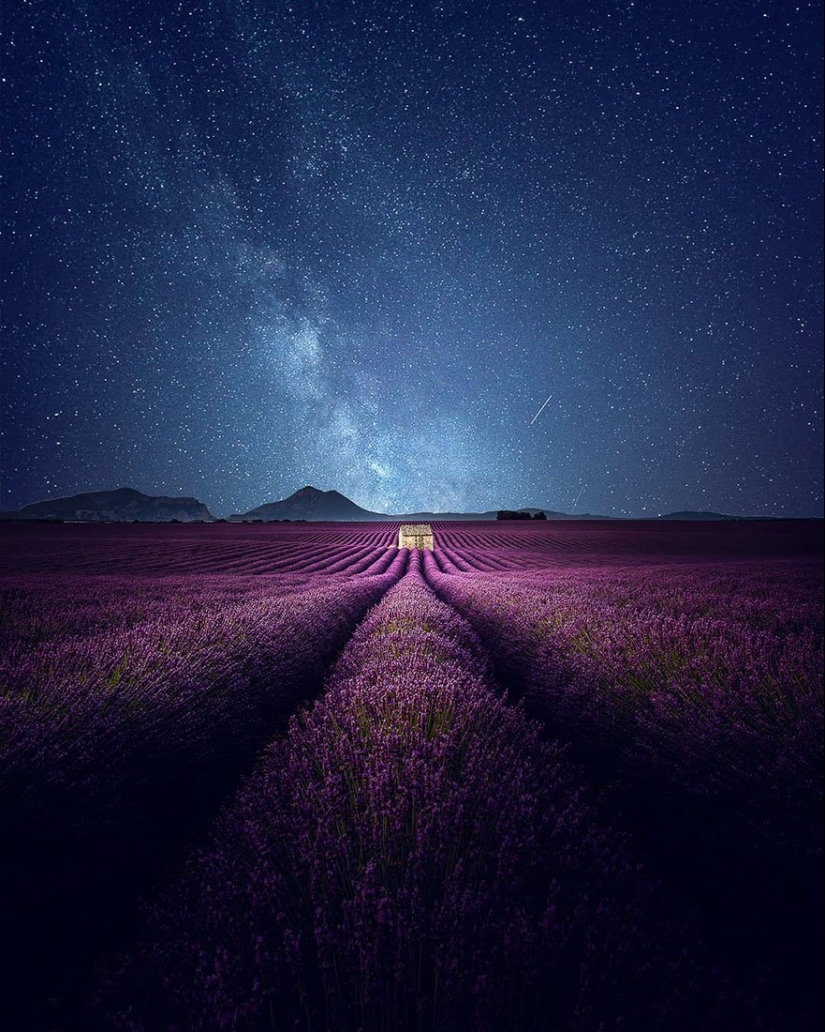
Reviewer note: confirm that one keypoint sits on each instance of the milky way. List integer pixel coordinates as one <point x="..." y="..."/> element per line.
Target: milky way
<point x="253" y="245"/>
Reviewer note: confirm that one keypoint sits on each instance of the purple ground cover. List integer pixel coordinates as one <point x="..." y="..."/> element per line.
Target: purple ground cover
<point x="711" y="673"/>
<point x="694" y="693"/>
<point x="190" y="548"/>
<point x="636" y="844"/>
<point x="127" y="711"/>
<point x="412" y="856"/>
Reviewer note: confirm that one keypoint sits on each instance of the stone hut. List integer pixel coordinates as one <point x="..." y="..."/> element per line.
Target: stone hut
<point x="415" y="535"/>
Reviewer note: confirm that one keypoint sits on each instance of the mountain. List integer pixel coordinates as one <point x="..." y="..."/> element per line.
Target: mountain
<point x="310" y="504"/>
<point x="120" y="506"/>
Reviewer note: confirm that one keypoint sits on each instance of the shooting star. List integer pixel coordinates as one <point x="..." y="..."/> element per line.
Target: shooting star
<point x="578" y="496"/>
<point x="543" y="407"/>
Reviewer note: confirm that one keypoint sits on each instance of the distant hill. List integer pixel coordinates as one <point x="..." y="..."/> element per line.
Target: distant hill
<point x="123" y="505"/>
<point x="700" y="515"/>
<point x="310" y="504"/>
<point x="490" y="514"/>
<point x="552" y="514"/>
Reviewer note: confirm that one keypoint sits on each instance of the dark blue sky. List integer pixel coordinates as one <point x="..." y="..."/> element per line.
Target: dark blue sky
<point x="255" y="244"/>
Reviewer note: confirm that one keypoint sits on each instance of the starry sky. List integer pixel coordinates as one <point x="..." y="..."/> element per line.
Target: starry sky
<point x="257" y="244"/>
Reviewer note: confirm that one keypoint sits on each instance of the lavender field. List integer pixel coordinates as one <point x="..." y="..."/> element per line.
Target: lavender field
<point x="547" y="776"/>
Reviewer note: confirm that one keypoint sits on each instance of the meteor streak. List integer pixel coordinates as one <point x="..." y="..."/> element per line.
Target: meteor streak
<point x="543" y="407"/>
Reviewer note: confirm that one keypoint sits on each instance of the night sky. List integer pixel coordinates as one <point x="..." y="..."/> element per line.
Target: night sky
<point x="253" y="244"/>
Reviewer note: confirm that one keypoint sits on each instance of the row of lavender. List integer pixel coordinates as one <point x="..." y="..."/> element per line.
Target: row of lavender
<point x="210" y="548"/>
<point x="507" y="545"/>
<point x="370" y="875"/>
<point x="412" y="856"/>
<point x="712" y="675"/>
<point x="129" y="707"/>
<point x="695" y="693"/>
<point x="40" y="608"/>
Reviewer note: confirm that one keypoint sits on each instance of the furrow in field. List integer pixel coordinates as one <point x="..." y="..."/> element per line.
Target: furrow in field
<point x="695" y="695"/>
<point x="411" y="856"/>
<point x="117" y="745"/>
<point x="186" y="548"/>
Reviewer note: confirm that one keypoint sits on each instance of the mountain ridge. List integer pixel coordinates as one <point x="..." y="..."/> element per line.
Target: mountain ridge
<point x="126" y="504"/>
<point x="309" y="503"/>
<point x="121" y="505"/>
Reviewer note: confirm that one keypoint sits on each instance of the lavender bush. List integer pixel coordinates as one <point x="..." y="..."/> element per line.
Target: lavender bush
<point x="711" y="677"/>
<point x="116" y="743"/>
<point x="695" y="694"/>
<point x="411" y="856"/>
<point x="414" y="850"/>
<point x="164" y="550"/>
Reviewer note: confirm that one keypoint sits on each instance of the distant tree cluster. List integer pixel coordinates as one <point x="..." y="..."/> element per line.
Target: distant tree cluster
<point x="518" y="514"/>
